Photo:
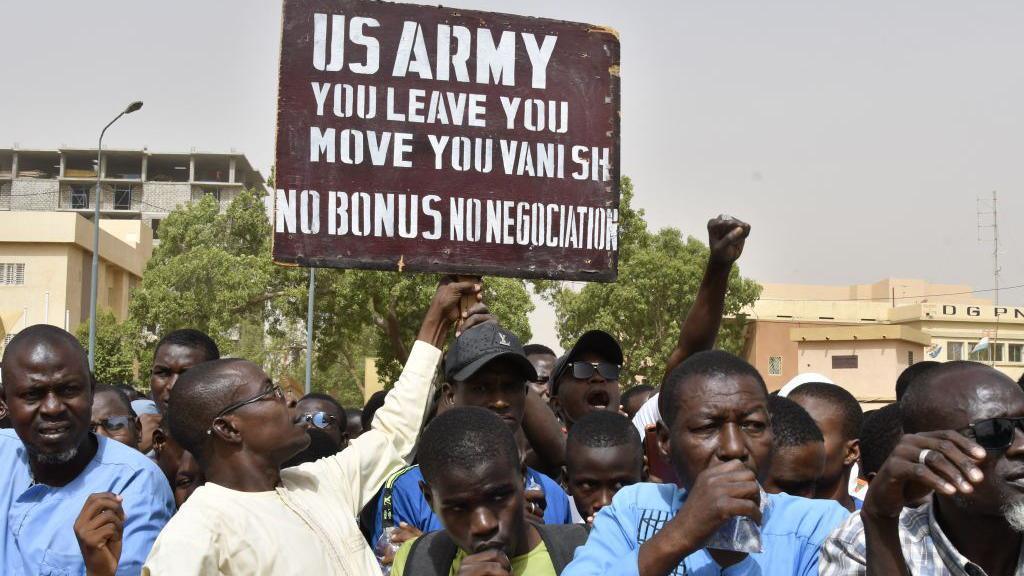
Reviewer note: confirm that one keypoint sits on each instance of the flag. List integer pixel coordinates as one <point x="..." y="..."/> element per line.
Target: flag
<point x="935" y="350"/>
<point x="980" y="346"/>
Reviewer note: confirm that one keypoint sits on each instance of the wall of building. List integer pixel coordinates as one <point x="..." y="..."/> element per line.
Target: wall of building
<point x="43" y="297"/>
<point x="879" y="364"/>
<point x="34" y="194"/>
<point x="771" y="339"/>
<point x="56" y="248"/>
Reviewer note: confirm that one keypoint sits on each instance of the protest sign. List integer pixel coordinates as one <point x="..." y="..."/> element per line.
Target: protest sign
<point x="432" y="139"/>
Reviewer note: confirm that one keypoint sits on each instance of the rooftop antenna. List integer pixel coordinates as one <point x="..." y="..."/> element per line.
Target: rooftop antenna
<point x="990" y="208"/>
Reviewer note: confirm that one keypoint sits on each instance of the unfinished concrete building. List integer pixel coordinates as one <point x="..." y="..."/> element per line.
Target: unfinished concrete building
<point x="134" y="184"/>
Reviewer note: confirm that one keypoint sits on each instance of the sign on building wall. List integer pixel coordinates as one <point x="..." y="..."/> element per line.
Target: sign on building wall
<point x="434" y="139"/>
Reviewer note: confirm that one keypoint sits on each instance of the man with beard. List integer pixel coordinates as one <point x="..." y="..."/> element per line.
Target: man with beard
<point x="251" y="517"/>
<point x="54" y="468"/>
<point x="964" y="443"/>
<point x="717" y="430"/>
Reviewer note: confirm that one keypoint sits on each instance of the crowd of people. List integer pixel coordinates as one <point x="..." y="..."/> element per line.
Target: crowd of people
<point x="492" y="458"/>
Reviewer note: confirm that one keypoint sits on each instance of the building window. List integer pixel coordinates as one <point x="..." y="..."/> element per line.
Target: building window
<point x="1015" y="352"/>
<point x="910" y="357"/>
<point x="844" y="362"/>
<point x="12" y="274"/>
<point x="7" y="339"/>
<point x="955" y="351"/>
<point x="122" y="198"/>
<point x="775" y="365"/>
<point x="997" y="352"/>
<point x="980" y="355"/>
<point x="79" y="197"/>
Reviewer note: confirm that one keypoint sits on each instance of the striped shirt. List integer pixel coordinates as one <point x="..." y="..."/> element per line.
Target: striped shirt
<point x="926" y="548"/>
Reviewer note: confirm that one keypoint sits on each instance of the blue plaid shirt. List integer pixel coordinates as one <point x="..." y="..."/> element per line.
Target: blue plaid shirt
<point x="926" y="548"/>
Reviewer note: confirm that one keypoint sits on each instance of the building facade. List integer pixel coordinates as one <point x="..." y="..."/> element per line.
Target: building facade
<point x="134" y="184"/>
<point x="863" y="336"/>
<point x="46" y="268"/>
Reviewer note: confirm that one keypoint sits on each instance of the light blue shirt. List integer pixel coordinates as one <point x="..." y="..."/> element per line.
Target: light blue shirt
<point x="792" y="532"/>
<point x="38" y="520"/>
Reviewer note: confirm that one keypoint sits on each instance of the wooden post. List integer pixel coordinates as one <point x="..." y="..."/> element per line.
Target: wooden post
<point x="469" y="300"/>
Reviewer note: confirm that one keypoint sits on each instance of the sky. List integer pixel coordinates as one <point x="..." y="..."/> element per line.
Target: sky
<point x="855" y="137"/>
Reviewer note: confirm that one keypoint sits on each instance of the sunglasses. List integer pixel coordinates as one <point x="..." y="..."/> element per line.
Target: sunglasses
<point x="319" y="420"/>
<point x="271" y="391"/>
<point x="994" y="433"/>
<point x="112" y="424"/>
<point x="585" y="370"/>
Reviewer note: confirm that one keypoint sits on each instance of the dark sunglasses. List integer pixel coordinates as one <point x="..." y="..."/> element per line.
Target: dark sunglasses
<point x="273" y="390"/>
<point x="112" y="424"/>
<point x="585" y="370"/>
<point x="319" y="420"/>
<point x="994" y="433"/>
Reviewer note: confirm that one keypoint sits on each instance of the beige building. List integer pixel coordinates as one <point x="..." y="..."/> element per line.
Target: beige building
<point x="46" y="268"/>
<point x="863" y="336"/>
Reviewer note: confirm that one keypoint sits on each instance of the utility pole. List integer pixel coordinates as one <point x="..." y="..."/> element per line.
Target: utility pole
<point x="986" y="209"/>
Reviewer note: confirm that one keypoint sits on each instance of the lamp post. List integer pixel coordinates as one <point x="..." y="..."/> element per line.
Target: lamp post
<point x="96" y="237"/>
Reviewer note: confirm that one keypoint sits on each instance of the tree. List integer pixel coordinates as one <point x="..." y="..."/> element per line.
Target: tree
<point x="659" y="274"/>
<point x="117" y="348"/>
<point x="213" y="271"/>
<point x="384" y="309"/>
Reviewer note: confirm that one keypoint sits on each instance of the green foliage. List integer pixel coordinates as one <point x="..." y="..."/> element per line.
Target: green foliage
<point x="361" y="313"/>
<point x="117" y="347"/>
<point x="214" y="272"/>
<point x="659" y="275"/>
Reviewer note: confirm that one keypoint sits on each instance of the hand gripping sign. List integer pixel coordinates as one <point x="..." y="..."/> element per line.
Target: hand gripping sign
<point x="433" y="139"/>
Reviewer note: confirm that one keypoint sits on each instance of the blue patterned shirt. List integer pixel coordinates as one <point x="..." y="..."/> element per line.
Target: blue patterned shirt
<point x="792" y="531"/>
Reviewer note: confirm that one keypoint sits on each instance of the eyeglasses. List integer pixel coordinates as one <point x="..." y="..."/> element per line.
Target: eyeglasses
<point x="994" y="433"/>
<point x="112" y="424"/>
<point x="319" y="420"/>
<point x="272" y="390"/>
<point x="585" y="370"/>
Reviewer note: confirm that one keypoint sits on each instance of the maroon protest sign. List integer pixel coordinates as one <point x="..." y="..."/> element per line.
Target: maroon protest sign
<point x="440" y="140"/>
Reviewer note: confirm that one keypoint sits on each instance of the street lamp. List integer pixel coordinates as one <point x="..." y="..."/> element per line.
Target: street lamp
<point x="96" y="237"/>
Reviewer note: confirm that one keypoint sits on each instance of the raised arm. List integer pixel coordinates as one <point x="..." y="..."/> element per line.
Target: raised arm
<point x="726" y="237"/>
<point x="544" y="433"/>
<point x="367" y="462"/>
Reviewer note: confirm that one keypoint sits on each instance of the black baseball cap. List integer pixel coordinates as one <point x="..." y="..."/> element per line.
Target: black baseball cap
<point x="479" y="346"/>
<point x="598" y="341"/>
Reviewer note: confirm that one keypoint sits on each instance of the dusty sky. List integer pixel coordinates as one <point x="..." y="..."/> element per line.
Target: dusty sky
<point x="854" y="136"/>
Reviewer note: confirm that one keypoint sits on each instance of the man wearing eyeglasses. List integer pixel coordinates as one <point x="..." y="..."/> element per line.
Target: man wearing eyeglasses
<point x="113" y="417"/>
<point x="324" y="418"/>
<point x="253" y="518"/>
<point x="965" y="446"/>
<point x="586" y="378"/>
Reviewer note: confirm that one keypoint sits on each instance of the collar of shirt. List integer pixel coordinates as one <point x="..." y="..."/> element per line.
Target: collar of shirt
<point x="956" y="562"/>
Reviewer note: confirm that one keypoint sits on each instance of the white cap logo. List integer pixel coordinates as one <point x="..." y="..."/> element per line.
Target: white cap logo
<point x="503" y="340"/>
